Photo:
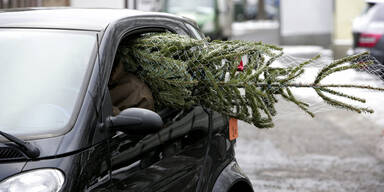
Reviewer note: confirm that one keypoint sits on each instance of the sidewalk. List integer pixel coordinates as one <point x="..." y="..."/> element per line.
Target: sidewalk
<point x="265" y="31"/>
<point x="268" y="32"/>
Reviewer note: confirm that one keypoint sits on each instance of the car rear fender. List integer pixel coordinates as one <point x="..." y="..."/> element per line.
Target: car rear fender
<point x="232" y="179"/>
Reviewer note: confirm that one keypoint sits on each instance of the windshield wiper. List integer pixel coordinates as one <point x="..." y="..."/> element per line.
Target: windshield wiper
<point x="30" y="150"/>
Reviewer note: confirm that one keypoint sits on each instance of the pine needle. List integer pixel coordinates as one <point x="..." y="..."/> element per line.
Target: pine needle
<point x="183" y="72"/>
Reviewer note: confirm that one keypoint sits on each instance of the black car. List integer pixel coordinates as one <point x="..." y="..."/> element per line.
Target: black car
<point x="368" y="31"/>
<point x="58" y="132"/>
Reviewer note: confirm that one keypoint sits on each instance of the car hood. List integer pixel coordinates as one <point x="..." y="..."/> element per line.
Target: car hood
<point x="10" y="168"/>
<point x="48" y="148"/>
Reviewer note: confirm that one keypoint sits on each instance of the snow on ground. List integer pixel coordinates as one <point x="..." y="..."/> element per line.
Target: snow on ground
<point x="265" y="31"/>
<point x="307" y="51"/>
<point x="240" y="28"/>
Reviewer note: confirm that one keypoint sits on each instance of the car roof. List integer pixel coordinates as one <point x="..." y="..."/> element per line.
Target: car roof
<point x="69" y="18"/>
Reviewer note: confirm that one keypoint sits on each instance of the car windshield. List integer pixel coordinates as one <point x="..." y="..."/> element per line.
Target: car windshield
<point x="176" y="6"/>
<point x="41" y="79"/>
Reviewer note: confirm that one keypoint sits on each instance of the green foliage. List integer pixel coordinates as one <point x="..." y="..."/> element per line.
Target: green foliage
<point x="182" y="72"/>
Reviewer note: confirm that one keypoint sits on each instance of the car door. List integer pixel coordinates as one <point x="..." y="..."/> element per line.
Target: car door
<point x="171" y="160"/>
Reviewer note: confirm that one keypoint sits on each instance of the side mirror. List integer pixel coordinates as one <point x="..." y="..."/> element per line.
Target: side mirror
<point x="136" y="121"/>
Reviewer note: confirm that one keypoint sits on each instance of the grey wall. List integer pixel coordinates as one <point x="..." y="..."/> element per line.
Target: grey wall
<point x="324" y="40"/>
<point x="98" y="3"/>
<point x="306" y="22"/>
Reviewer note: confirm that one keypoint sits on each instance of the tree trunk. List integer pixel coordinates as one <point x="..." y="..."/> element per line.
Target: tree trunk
<point x="261" y="10"/>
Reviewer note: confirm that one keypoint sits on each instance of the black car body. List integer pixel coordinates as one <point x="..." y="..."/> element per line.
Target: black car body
<point x="368" y="31"/>
<point x="85" y="152"/>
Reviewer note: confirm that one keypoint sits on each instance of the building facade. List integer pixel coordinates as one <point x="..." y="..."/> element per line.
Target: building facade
<point x="144" y="5"/>
<point x="7" y="4"/>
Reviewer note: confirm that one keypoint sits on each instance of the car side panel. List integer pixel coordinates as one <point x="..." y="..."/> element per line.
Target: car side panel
<point x="171" y="160"/>
<point x="220" y="152"/>
<point x="229" y="177"/>
<point x="378" y="50"/>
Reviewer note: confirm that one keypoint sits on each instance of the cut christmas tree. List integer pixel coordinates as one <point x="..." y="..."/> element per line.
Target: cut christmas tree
<point x="183" y="72"/>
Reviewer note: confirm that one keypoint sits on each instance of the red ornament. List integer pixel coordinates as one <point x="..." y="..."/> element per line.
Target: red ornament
<point x="240" y="67"/>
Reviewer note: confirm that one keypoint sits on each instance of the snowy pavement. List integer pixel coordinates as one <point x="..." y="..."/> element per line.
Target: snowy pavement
<point x="265" y="31"/>
<point x="337" y="150"/>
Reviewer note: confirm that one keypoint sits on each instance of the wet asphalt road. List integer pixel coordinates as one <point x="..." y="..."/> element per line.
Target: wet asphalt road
<point x="335" y="151"/>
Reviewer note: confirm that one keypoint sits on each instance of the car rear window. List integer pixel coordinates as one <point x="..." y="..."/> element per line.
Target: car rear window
<point x="378" y="13"/>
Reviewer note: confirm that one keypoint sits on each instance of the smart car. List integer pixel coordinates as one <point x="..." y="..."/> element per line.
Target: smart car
<point x="57" y="129"/>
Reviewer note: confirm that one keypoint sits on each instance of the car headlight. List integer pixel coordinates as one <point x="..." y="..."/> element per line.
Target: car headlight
<point x="47" y="180"/>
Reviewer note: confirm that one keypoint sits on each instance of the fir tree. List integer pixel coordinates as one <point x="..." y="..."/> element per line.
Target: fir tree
<point x="183" y="72"/>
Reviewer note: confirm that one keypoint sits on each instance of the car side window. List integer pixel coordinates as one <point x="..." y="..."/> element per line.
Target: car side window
<point x="127" y="149"/>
